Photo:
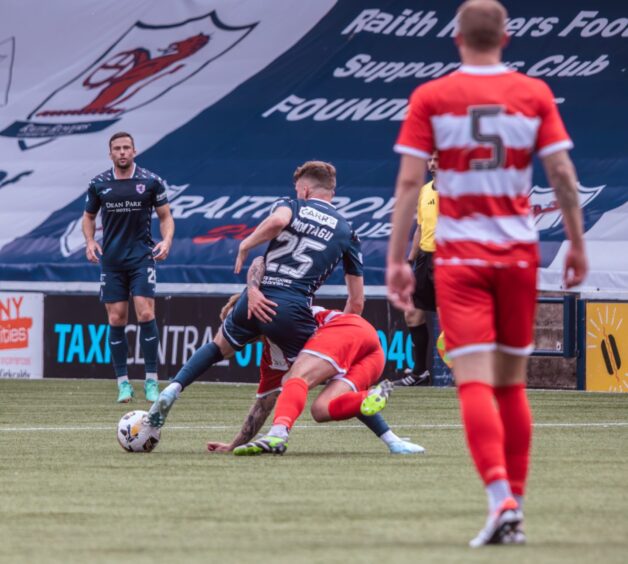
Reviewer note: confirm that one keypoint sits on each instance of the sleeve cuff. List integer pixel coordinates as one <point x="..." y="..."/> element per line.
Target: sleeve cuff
<point x="405" y="150"/>
<point x="564" y="145"/>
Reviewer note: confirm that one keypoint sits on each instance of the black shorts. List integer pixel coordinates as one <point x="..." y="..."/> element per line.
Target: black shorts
<point x="424" y="296"/>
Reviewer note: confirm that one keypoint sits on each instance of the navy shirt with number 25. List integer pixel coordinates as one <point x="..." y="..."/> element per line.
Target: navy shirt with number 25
<point x="126" y="206"/>
<point x="304" y="254"/>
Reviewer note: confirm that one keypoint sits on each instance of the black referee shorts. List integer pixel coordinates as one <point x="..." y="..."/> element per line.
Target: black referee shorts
<point x="424" y="296"/>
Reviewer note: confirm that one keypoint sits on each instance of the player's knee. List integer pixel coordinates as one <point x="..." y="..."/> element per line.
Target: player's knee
<point x="320" y="413"/>
<point x="116" y="319"/>
<point x="144" y="316"/>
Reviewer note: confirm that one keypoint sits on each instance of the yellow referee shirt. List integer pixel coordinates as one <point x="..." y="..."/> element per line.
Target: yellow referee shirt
<point x="427" y="215"/>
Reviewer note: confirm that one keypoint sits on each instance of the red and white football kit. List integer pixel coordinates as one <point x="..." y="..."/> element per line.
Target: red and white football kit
<point x="486" y="123"/>
<point x="345" y="340"/>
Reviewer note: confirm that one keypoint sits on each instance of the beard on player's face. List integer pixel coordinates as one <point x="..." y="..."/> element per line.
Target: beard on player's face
<point x="128" y="161"/>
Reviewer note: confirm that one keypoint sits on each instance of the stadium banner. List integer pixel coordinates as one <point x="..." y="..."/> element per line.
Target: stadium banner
<point x="77" y="344"/>
<point x="606" y="346"/>
<point x="225" y="99"/>
<point x="21" y="335"/>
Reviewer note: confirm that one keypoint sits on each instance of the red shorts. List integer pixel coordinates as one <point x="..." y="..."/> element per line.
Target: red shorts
<point x="351" y="345"/>
<point x="273" y="368"/>
<point x="483" y="308"/>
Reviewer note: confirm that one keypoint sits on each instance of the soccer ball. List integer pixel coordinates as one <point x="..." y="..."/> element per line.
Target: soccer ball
<point x="135" y="434"/>
<point x="442" y="351"/>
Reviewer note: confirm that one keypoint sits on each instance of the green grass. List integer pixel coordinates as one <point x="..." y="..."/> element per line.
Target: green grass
<point x="68" y="493"/>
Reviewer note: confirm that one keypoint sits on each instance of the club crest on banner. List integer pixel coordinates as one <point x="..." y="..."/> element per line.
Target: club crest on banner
<point x="143" y="65"/>
<point x="546" y="210"/>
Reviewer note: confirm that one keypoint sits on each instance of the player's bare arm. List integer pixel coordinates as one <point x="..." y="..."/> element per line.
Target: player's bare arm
<point x="414" y="250"/>
<point x="259" y="412"/>
<point x="399" y="277"/>
<point x="166" y="227"/>
<point x="355" y="294"/>
<point x="264" y="232"/>
<point x="92" y="250"/>
<point x="259" y="306"/>
<point x="561" y="174"/>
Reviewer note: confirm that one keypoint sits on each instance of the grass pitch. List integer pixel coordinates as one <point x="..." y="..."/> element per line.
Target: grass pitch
<point x="70" y="494"/>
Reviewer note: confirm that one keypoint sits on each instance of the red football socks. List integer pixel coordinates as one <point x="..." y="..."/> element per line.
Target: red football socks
<point x="484" y="430"/>
<point x="516" y="417"/>
<point x="346" y="405"/>
<point x="291" y="402"/>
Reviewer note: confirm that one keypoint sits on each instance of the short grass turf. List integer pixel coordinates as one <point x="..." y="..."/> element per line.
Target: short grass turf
<point x="68" y="493"/>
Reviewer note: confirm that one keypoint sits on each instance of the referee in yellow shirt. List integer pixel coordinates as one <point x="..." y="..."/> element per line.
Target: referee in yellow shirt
<point x="421" y="253"/>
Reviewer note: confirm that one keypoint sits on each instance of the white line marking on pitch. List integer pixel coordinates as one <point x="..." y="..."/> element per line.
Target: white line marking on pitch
<point x="321" y="427"/>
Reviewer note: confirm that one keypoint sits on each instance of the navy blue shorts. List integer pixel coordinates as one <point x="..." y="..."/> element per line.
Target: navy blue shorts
<point x="293" y="325"/>
<point x="117" y="285"/>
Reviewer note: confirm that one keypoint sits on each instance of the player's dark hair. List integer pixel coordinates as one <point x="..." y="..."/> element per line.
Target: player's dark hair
<point x="322" y="173"/>
<point x="482" y="23"/>
<point x="121" y="134"/>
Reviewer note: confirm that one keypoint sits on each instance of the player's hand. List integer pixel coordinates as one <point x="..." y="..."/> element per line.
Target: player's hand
<point x="576" y="266"/>
<point x="219" y="447"/>
<point x="259" y="306"/>
<point x="400" y="282"/>
<point x="93" y="251"/>
<point x="243" y="252"/>
<point x="161" y="250"/>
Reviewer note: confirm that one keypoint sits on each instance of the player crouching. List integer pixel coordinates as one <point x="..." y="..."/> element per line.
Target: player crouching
<point x="346" y="354"/>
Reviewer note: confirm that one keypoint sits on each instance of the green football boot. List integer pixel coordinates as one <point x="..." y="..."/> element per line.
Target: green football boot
<point x="376" y="399"/>
<point x="264" y="445"/>
<point x="151" y="390"/>
<point x="125" y="392"/>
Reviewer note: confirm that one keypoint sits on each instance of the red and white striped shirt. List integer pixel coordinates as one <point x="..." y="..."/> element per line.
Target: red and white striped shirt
<point x="486" y="123"/>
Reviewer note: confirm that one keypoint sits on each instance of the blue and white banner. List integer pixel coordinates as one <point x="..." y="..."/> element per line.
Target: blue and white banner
<point x="226" y="98"/>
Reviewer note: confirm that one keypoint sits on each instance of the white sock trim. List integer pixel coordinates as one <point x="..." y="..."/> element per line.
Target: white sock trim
<point x="389" y="437"/>
<point x="280" y="431"/>
<point x="174" y="387"/>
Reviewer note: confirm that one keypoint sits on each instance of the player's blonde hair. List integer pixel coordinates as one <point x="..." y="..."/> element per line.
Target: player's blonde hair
<point x="482" y="24"/>
<point x="320" y="172"/>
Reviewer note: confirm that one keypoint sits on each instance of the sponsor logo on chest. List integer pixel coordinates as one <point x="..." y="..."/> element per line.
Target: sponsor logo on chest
<point x="319" y="217"/>
<point x="126" y="205"/>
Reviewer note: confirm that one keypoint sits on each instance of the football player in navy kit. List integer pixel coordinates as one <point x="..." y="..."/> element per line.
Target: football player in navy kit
<point x="308" y="238"/>
<point x="126" y="195"/>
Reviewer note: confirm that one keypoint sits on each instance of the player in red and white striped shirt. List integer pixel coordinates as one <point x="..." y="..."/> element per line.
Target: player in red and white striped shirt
<point x="344" y="353"/>
<point x="486" y="121"/>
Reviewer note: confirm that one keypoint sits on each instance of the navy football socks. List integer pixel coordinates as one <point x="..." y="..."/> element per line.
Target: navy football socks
<point x="375" y="423"/>
<point x="119" y="349"/>
<point x="206" y="356"/>
<point x="149" y="340"/>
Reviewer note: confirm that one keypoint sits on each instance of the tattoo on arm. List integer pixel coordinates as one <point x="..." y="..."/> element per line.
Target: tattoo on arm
<point x="256" y="417"/>
<point x="255" y="273"/>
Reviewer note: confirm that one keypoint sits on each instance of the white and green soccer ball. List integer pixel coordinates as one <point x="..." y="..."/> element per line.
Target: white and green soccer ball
<point x="135" y="434"/>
